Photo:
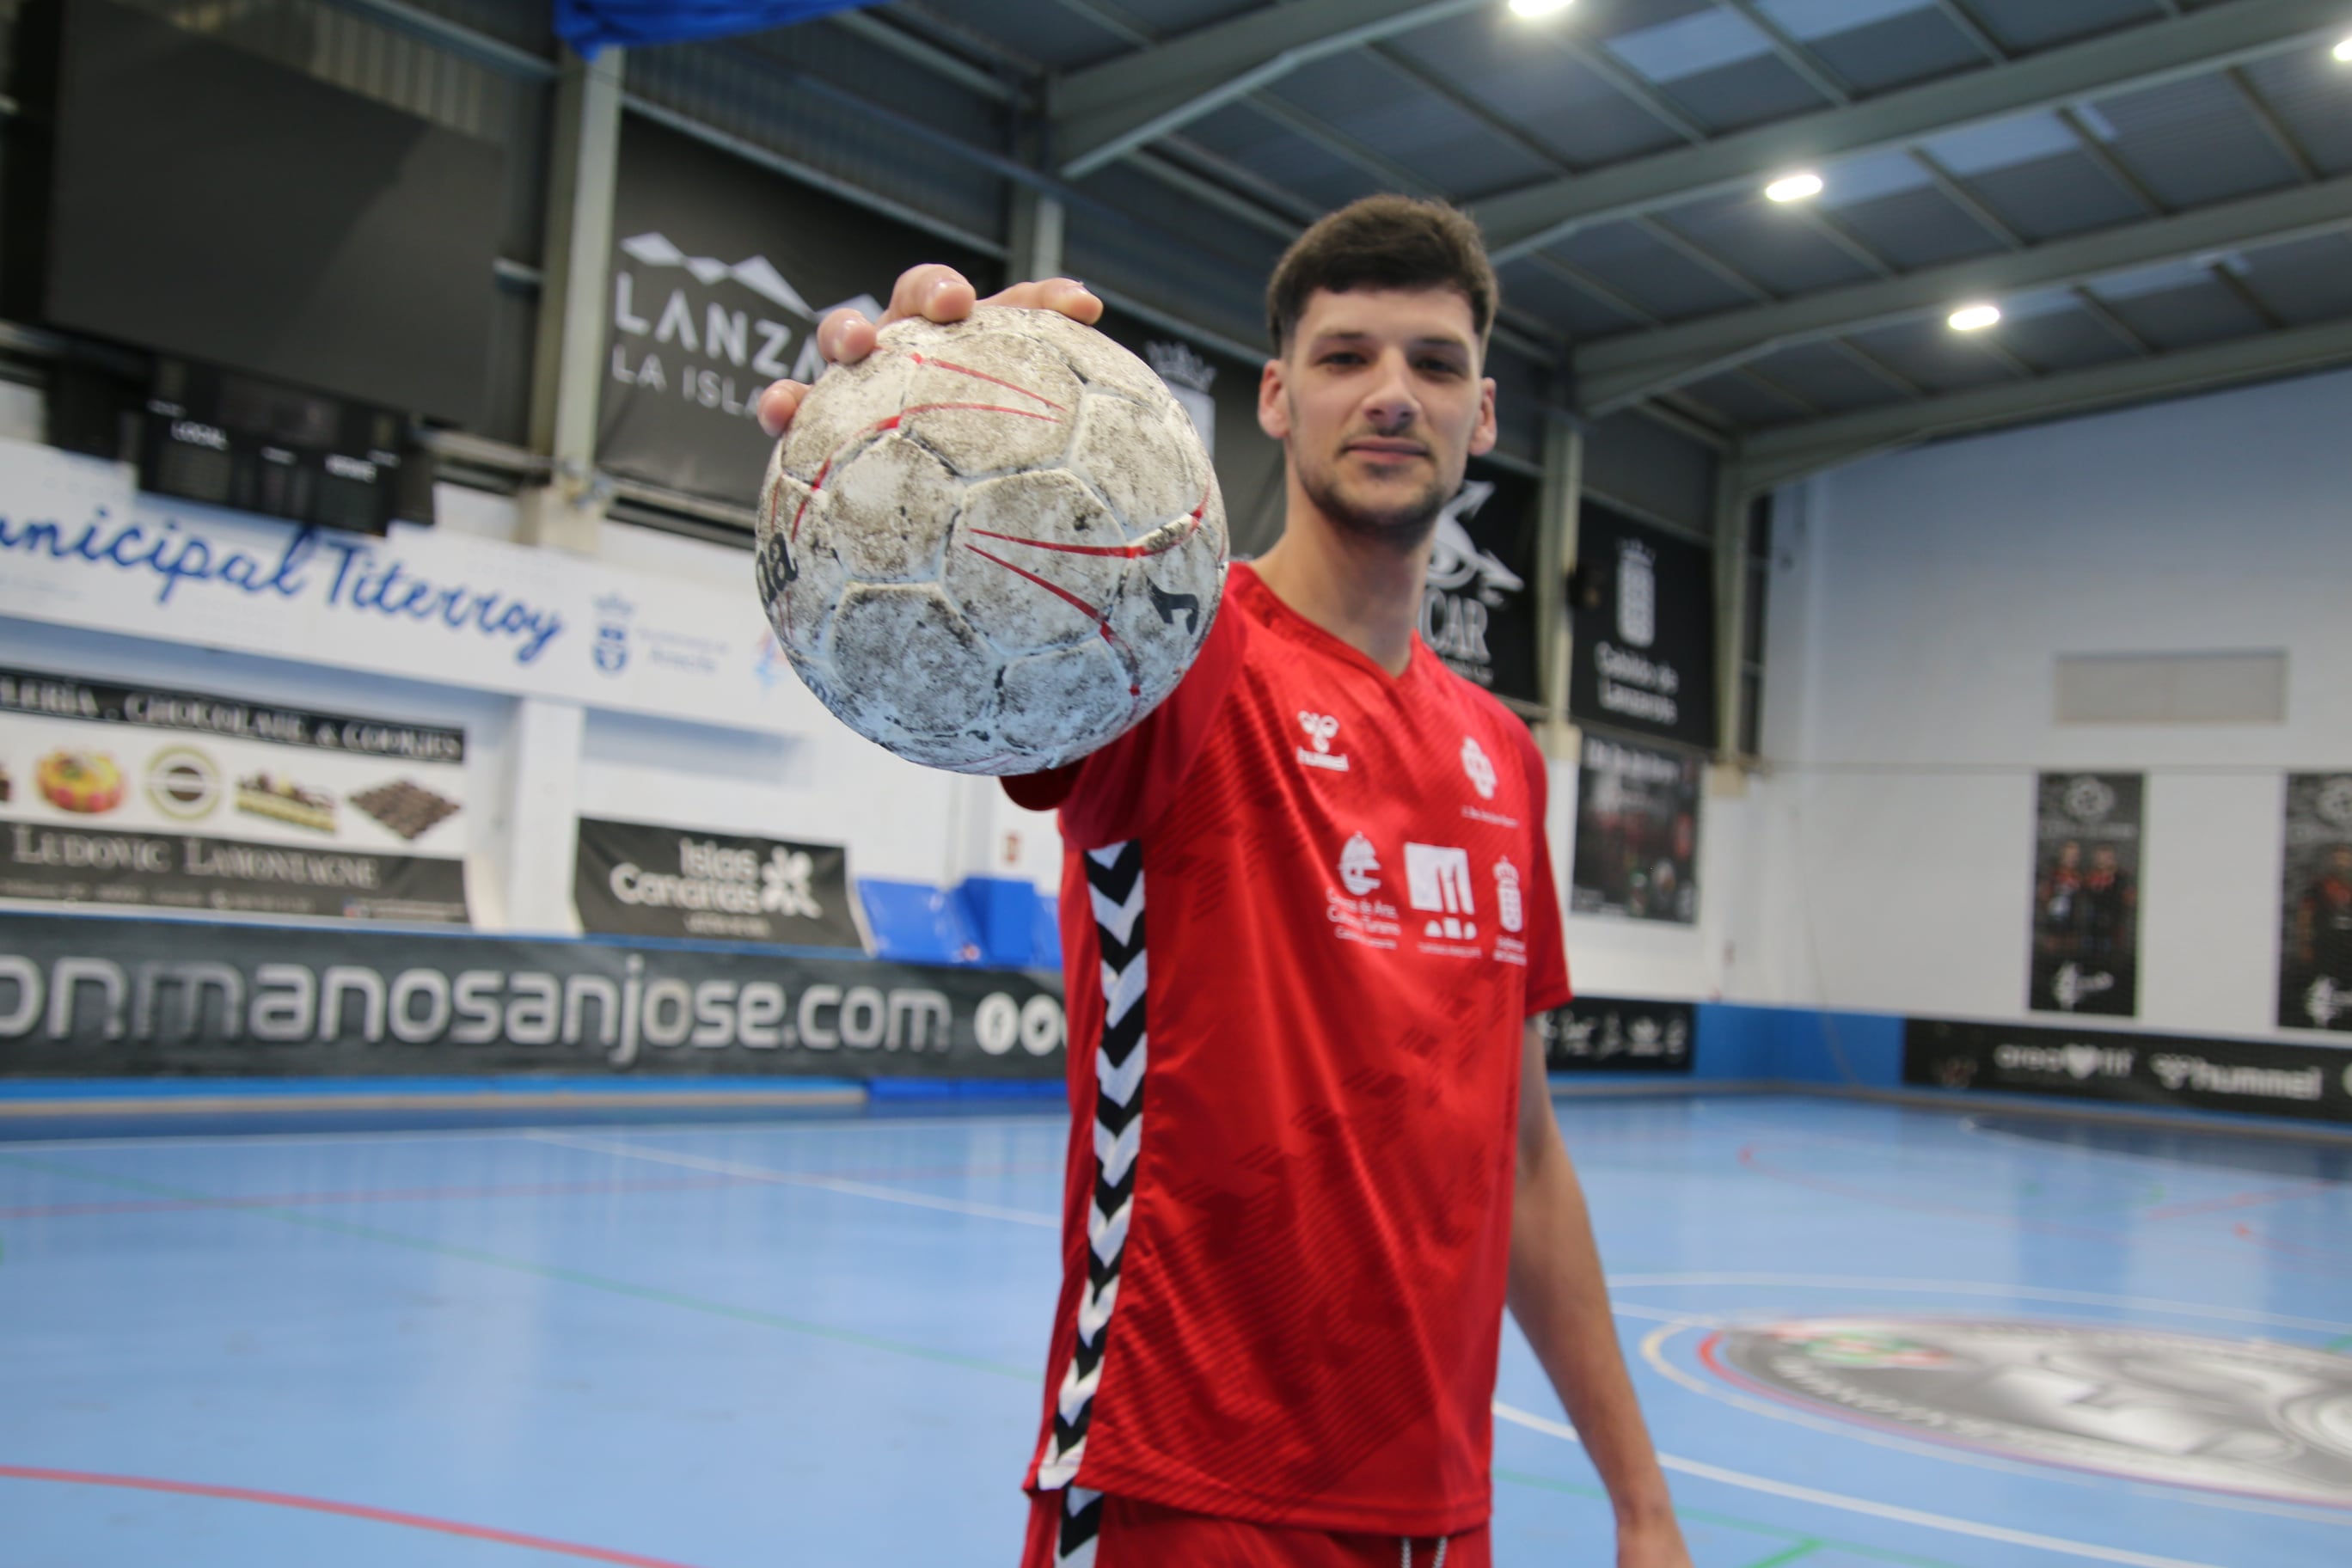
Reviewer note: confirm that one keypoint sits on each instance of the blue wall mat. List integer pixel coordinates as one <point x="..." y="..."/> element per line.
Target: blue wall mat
<point x="917" y="923"/>
<point x="1001" y="913"/>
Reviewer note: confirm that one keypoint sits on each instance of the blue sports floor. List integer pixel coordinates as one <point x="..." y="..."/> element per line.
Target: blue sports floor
<point x="816" y="1342"/>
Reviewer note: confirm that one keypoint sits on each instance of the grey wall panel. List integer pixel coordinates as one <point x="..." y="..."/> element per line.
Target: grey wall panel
<point x="1640" y="464"/>
<point x="751" y="96"/>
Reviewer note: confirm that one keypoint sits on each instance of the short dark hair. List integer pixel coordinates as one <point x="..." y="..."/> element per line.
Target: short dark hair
<point x="1383" y="242"/>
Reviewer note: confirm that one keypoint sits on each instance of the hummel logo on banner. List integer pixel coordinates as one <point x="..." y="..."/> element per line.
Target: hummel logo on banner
<point x="1320" y="727"/>
<point x="1437" y="878"/>
<point x="1481" y="771"/>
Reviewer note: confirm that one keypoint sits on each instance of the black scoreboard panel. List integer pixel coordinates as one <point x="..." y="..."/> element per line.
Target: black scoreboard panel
<point x="210" y="203"/>
<point x="236" y="441"/>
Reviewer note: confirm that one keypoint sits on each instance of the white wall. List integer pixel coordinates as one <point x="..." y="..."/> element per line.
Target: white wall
<point x="1918" y="609"/>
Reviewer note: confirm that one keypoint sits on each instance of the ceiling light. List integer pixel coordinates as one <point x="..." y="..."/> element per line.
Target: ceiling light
<point x="1794" y="187"/>
<point x="1975" y="318"/>
<point x="2343" y="50"/>
<point x="1538" y="8"/>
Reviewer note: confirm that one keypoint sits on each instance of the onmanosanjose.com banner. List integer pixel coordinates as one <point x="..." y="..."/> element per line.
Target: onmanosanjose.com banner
<point x="108" y="997"/>
<point x="80" y="546"/>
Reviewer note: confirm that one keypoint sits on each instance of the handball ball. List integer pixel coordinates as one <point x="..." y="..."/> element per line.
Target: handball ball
<point x="991" y="546"/>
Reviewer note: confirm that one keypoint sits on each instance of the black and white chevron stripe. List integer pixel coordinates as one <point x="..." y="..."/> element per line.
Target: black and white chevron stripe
<point x="1115" y="883"/>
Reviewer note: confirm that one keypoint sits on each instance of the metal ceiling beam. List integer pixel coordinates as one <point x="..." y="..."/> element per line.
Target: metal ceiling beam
<point x="1103" y="111"/>
<point x="1776" y="456"/>
<point x="1617" y="371"/>
<point x="2192" y="44"/>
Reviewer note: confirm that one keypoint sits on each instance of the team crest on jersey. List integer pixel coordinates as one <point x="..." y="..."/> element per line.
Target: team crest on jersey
<point x="1321" y="730"/>
<point x="1476" y="763"/>
<point x="1359" y="868"/>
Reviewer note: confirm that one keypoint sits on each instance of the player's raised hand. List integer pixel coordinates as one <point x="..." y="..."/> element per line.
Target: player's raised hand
<point x="934" y="292"/>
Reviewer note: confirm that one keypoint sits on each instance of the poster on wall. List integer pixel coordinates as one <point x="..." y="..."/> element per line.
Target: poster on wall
<point x="1478" y="608"/>
<point x="1636" y="833"/>
<point x="721" y="273"/>
<point x="2316" y="904"/>
<point x="180" y="800"/>
<point x="2087" y="869"/>
<point x="634" y="879"/>
<point x="108" y="996"/>
<point x="1642" y="618"/>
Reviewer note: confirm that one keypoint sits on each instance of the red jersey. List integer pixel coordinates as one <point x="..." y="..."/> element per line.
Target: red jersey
<point x="1306" y="909"/>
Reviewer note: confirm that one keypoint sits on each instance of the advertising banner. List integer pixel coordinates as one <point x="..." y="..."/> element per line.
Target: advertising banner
<point x="104" y="997"/>
<point x="722" y="271"/>
<point x="135" y="794"/>
<point x="639" y="880"/>
<point x="2087" y="861"/>
<point x="80" y="547"/>
<point x="2316" y="904"/>
<point x="1478" y="610"/>
<point x="1642" y="616"/>
<point x="1613" y="1034"/>
<point x="2255" y="1077"/>
<point x="1636" y="833"/>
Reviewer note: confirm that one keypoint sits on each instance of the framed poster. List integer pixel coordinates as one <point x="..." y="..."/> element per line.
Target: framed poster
<point x="1637" y="810"/>
<point x="2087" y="842"/>
<point x="2316" y="904"/>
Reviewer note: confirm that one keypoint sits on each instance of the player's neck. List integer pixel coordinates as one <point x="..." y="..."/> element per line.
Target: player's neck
<point x="1363" y="591"/>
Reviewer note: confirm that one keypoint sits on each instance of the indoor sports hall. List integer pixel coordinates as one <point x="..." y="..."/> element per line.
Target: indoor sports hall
<point x="531" y="1031"/>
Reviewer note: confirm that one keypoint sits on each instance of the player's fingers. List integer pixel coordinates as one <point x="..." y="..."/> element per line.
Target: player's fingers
<point x="845" y="337"/>
<point x="779" y="403"/>
<point x="1066" y="295"/>
<point x="935" y="291"/>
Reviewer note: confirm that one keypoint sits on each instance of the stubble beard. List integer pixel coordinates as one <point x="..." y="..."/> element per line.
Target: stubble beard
<point x="1406" y="526"/>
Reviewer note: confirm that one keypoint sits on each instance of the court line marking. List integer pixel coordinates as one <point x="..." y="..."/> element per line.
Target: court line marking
<point x="1971" y="1125"/>
<point x="1983" y="1288"/>
<point x="798" y="1179"/>
<point x="1653" y="1352"/>
<point x="1694" y="1515"/>
<point x="849" y="1122"/>
<point x="1943" y="1521"/>
<point x="341" y="1509"/>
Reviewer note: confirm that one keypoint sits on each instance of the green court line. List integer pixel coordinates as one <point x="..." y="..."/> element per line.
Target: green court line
<point x="1803" y="1548"/>
<point x="2341" y="1342"/>
<point x="525" y="1266"/>
<point x="1708" y="1516"/>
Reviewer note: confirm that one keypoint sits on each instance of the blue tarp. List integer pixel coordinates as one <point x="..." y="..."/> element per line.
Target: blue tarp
<point x="589" y="26"/>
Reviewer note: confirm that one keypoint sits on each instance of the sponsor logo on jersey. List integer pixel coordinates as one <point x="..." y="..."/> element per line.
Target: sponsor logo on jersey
<point x="1507" y="907"/>
<point x="1476" y="763"/>
<point x="1437" y="882"/>
<point x="1359" y="868"/>
<point x="1321" y="730"/>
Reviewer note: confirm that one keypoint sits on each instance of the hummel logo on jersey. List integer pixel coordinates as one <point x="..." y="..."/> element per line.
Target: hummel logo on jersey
<point x="1320" y="727"/>
<point x="1507" y="907"/>
<point x="1359" y="868"/>
<point x="1437" y="878"/>
<point x="1481" y="771"/>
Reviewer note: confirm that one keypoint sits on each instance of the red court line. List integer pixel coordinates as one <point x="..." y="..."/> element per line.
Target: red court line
<point x="2241" y="1200"/>
<point x="343" y="1510"/>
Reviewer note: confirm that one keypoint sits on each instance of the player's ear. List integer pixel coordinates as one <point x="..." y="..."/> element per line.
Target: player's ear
<point x="1274" y="402"/>
<point x="1484" y="434"/>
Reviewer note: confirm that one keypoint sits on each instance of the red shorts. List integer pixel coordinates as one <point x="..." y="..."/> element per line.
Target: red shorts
<point x="1128" y="1534"/>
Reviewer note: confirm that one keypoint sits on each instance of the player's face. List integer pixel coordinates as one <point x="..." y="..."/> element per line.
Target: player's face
<point x="1379" y="404"/>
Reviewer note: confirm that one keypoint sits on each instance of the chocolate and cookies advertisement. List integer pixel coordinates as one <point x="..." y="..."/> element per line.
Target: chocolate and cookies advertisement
<point x="138" y="796"/>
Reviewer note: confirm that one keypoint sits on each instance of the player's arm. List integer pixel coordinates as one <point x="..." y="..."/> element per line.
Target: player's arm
<point x="1561" y="1302"/>
<point x="934" y="292"/>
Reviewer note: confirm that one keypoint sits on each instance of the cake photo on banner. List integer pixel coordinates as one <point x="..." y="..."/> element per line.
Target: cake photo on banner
<point x="2316" y="904"/>
<point x="2087" y="840"/>
<point x="1636" y="833"/>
